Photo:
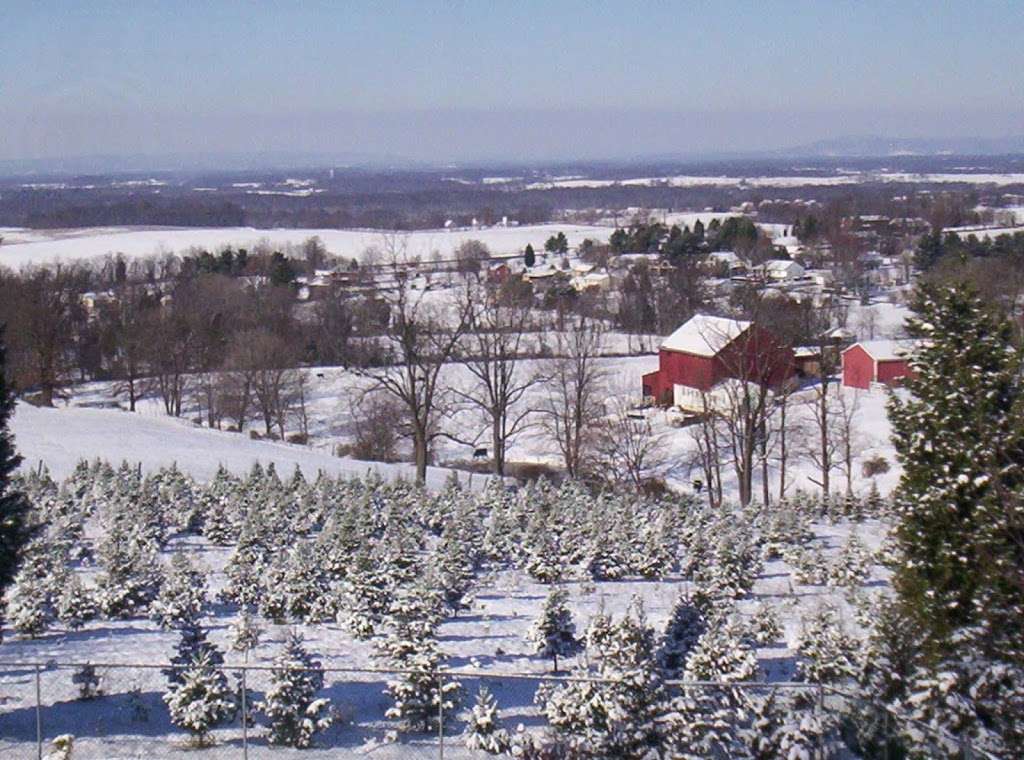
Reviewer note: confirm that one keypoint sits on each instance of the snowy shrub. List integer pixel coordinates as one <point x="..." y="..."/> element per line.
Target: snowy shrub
<point x="764" y="625"/>
<point x="29" y="609"/>
<point x="131" y="573"/>
<point x="75" y="605"/>
<point x="293" y="711"/>
<point x="808" y="565"/>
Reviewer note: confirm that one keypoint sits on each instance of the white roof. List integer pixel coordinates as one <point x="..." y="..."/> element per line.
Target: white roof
<point x="780" y="265"/>
<point x="704" y="335"/>
<point x="886" y="350"/>
<point x="726" y="256"/>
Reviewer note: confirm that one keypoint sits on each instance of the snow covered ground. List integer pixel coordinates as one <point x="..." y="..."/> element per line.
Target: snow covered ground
<point x="22" y="246"/>
<point x="62" y="437"/>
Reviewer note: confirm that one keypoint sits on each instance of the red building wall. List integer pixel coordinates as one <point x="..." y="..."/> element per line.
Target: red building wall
<point x="858" y="368"/>
<point x="764" y="360"/>
<point x="893" y="371"/>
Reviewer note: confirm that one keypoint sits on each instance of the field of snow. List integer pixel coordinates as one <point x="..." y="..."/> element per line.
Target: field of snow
<point x="21" y="246"/>
<point x="62" y="437"/>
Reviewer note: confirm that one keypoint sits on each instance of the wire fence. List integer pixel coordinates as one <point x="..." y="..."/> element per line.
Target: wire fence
<point x="115" y="711"/>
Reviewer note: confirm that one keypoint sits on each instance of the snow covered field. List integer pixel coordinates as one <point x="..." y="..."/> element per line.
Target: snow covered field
<point x="22" y="246"/>
<point x="62" y="437"/>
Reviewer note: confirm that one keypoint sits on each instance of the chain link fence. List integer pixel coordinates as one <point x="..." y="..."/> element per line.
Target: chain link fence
<point x="107" y="711"/>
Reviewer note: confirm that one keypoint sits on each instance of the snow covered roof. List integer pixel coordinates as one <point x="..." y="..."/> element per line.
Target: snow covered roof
<point x="729" y="257"/>
<point x="704" y="335"/>
<point x="781" y="265"/>
<point x="886" y="350"/>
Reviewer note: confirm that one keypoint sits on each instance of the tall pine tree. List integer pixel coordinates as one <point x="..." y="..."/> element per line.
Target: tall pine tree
<point x="14" y="507"/>
<point x="960" y="439"/>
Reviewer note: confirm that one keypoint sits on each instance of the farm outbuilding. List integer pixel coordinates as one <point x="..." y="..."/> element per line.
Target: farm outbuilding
<point x="876" y="361"/>
<point x="706" y="351"/>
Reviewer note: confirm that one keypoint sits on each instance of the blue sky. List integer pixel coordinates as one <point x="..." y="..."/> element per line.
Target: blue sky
<point x="476" y="79"/>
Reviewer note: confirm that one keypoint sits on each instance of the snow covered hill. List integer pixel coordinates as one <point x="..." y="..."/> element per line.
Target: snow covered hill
<point x="62" y="437"/>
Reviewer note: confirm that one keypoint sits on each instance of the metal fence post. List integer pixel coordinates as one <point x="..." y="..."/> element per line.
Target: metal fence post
<point x="821" y="720"/>
<point x="245" y="718"/>
<point x="886" y="731"/>
<point x="440" y="715"/>
<point x="39" y="716"/>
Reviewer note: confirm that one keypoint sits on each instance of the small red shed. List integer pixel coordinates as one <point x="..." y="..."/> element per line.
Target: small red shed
<point x="876" y="361"/>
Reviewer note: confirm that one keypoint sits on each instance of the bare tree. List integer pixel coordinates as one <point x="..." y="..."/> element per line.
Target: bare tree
<point x="629" y="450"/>
<point x="374" y="426"/>
<point x="708" y="440"/>
<point x="420" y="338"/>
<point x="43" y="316"/>
<point x="757" y="364"/>
<point x="847" y="407"/>
<point x="572" y="405"/>
<point x="497" y="329"/>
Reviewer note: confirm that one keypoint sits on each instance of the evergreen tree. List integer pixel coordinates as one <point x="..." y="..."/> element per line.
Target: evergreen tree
<point x="182" y="595"/>
<point x="723" y="653"/>
<point x="192" y="643"/>
<point x="960" y="439"/>
<point x="201" y="700"/>
<point x="827" y="652"/>
<point x="293" y="711"/>
<point x="683" y="630"/>
<point x="484" y="731"/>
<point x="529" y="257"/>
<point x="617" y="715"/>
<point x="15" y="529"/>
<point x="553" y="634"/>
<point x="245" y="632"/>
<point x="29" y="609"/>
<point x="74" y="605"/>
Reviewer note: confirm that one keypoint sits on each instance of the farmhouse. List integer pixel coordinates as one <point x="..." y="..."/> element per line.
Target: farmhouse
<point x="707" y="351"/>
<point x="875" y="361"/>
<point x="781" y="270"/>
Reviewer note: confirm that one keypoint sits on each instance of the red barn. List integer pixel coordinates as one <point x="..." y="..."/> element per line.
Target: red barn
<point x="876" y="361"/>
<point x="708" y="350"/>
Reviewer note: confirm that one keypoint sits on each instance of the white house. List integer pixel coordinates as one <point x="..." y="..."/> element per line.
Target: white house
<point x="781" y="270"/>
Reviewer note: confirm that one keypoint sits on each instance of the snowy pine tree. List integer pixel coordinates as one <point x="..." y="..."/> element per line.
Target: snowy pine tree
<point x="293" y="711"/>
<point x="827" y="652"/>
<point x="182" y="595"/>
<point x="723" y="653"/>
<point x="961" y="444"/>
<point x="75" y="604"/>
<point x="484" y="731"/>
<point x="553" y="634"/>
<point x="200" y="699"/>
<point x="245" y="632"/>
<point x="618" y="715"/>
<point x="683" y="630"/>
